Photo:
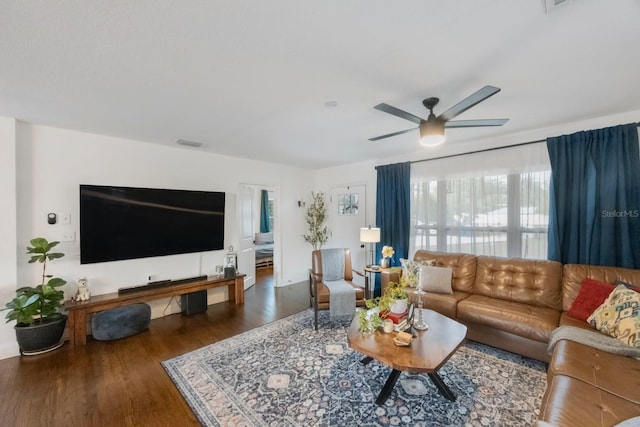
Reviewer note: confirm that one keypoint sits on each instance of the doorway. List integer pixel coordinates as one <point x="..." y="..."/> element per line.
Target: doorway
<point x="258" y="234"/>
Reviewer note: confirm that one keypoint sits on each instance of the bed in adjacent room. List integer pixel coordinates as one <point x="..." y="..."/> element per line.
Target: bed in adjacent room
<point x="264" y="249"/>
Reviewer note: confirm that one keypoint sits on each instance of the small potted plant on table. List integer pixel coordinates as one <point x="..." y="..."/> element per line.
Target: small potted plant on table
<point x="37" y="310"/>
<point x="394" y="300"/>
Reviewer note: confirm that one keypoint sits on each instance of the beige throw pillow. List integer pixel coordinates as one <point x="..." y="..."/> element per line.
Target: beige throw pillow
<point x="436" y="279"/>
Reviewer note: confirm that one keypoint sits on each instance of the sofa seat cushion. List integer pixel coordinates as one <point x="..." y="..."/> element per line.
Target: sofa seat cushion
<point x="520" y="319"/>
<point x="617" y="375"/>
<point x="571" y="402"/>
<point x="444" y="304"/>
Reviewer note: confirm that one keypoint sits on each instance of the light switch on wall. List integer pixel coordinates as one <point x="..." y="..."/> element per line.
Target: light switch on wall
<point x="65" y="218"/>
<point x="68" y="236"/>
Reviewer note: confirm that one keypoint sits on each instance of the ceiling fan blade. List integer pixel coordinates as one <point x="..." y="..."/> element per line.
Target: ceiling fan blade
<point x="391" y="134"/>
<point x="398" y="113"/>
<point x="469" y="102"/>
<point x="475" y="123"/>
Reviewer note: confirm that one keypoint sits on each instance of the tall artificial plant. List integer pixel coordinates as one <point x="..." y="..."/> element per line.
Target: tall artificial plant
<point x="316" y="215"/>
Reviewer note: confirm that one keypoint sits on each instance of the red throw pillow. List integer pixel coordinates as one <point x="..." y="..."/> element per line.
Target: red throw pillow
<point x="591" y="296"/>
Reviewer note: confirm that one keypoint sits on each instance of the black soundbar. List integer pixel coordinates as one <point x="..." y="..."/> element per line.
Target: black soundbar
<point x="160" y="284"/>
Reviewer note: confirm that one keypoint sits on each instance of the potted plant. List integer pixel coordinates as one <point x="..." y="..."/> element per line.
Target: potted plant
<point x="37" y="310"/>
<point x="369" y="319"/>
<point x="316" y="214"/>
<point x="395" y="299"/>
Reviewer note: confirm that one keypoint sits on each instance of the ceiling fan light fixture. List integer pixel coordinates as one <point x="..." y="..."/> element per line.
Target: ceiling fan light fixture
<point x="432" y="129"/>
<point x="432" y="132"/>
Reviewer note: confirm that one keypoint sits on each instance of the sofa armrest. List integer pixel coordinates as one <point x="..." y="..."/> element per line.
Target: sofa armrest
<point x="389" y="275"/>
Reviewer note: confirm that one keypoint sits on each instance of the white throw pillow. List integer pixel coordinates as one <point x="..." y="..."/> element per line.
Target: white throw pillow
<point x="436" y="279"/>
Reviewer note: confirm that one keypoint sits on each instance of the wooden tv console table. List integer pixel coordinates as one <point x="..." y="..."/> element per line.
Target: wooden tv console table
<point x="78" y="312"/>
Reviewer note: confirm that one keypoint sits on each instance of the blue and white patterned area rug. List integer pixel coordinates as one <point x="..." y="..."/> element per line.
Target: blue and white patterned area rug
<point x="286" y="374"/>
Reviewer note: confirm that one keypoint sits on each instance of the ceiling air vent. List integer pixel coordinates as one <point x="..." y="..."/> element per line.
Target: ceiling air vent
<point x="189" y="143"/>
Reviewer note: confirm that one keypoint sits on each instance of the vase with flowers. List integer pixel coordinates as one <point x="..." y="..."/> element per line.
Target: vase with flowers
<point x="387" y="256"/>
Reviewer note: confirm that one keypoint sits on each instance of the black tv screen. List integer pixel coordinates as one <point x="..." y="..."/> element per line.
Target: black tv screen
<point x="118" y="223"/>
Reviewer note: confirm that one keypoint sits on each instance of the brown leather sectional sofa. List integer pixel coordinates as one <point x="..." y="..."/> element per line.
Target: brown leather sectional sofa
<point x="515" y="304"/>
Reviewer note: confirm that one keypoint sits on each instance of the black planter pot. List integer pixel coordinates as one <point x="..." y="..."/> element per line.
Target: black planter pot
<point x="41" y="337"/>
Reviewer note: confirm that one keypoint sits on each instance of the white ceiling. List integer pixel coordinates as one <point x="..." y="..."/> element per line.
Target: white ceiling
<point x="251" y="78"/>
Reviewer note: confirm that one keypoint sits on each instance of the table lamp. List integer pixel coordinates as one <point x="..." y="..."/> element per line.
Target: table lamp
<point x="370" y="236"/>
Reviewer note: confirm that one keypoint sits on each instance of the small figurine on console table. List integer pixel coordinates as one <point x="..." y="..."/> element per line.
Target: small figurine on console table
<point x="83" y="290"/>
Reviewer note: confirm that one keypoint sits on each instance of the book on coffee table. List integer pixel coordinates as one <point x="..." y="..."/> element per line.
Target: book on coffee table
<point x="395" y="317"/>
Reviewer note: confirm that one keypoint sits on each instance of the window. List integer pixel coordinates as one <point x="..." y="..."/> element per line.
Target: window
<point x="498" y="215"/>
<point x="348" y="204"/>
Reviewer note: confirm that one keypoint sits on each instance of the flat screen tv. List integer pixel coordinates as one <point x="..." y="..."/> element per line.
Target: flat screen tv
<point x="118" y="223"/>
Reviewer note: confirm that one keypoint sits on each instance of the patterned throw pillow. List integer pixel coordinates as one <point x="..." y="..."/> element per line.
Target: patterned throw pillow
<point x="411" y="271"/>
<point x="628" y="285"/>
<point x="619" y="316"/>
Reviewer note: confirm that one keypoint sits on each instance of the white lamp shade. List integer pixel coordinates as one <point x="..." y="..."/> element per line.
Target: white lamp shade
<point x="432" y="132"/>
<point x="369" y="235"/>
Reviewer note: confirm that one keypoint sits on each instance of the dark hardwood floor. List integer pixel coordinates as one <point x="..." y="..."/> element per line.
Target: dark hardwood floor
<point x="121" y="383"/>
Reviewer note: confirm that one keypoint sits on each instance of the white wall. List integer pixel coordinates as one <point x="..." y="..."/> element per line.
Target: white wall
<point x="351" y="174"/>
<point x="51" y="164"/>
<point x="8" y="226"/>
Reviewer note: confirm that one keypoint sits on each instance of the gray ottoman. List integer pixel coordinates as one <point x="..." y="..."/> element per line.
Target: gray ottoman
<point x="120" y="322"/>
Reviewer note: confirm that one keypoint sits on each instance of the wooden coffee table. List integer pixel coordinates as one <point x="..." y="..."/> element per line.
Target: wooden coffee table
<point x="428" y="352"/>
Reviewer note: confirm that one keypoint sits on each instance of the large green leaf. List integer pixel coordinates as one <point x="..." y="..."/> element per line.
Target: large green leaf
<point x="37" y="258"/>
<point x="56" y="282"/>
<point x="55" y="255"/>
<point x="22" y="308"/>
<point x="40" y="243"/>
<point x="22" y="301"/>
<point x="41" y="247"/>
<point x="27" y="290"/>
<point x="49" y="309"/>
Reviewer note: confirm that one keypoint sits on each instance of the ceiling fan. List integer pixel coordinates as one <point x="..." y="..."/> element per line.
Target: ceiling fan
<point x="432" y="129"/>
